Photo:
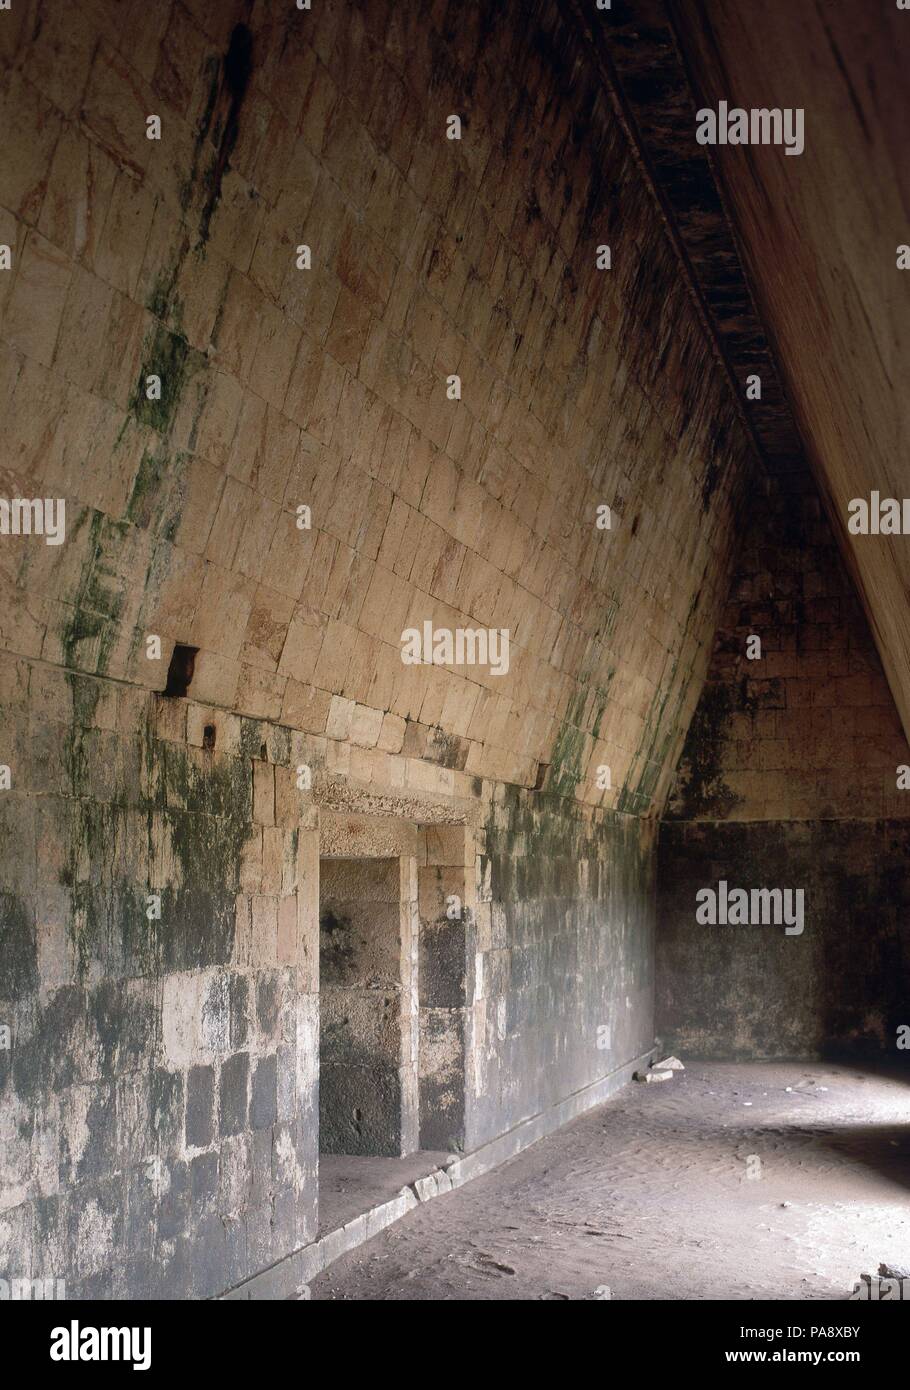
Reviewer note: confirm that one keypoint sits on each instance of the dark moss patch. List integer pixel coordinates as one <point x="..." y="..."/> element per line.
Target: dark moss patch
<point x="250" y="738"/>
<point x="203" y="809"/>
<point x="166" y="1099"/>
<point x="448" y="750"/>
<point x="45" y="1062"/>
<point x="701" y="789"/>
<point x="18" y="948"/>
<point x="168" y="356"/>
<point x="208" y="812"/>
<point x="336" y="950"/>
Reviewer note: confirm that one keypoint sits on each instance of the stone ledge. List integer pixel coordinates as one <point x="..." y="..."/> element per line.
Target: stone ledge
<point x="289" y="1277"/>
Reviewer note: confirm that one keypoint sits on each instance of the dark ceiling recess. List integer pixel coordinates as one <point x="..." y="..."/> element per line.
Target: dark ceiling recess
<point x="180" y="671"/>
<point x="640" y="62"/>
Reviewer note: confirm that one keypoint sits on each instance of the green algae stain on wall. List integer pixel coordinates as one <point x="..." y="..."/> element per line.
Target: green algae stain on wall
<point x="158" y="493"/>
<point x="701" y="789"/>
<point x="571" y="746"/>
<point x="200" y="808"/>
<point x="567" y="766"/>
<point x="168" y="356"/>
<point x="90" y="632"/>
<point x="175" y="828"/>
<point x="567" y="759"/>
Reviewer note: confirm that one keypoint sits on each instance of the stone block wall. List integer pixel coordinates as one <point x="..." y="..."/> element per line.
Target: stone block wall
<point x="326" y="388"/>
<point x="301" y="489"/>
<point x="447" y="881"/>
<point x="158" y="971"/>
<point x="838" y="990"/>
<point x="789" y="778"/>
<point x="564" y="984"/>
<point x="809" y="730"/>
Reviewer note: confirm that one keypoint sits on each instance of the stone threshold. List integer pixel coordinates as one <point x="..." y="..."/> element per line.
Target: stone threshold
<point x="290" y="1277"/>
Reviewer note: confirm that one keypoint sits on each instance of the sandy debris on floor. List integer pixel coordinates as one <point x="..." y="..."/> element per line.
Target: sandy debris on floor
<point x="737" y="1181"/>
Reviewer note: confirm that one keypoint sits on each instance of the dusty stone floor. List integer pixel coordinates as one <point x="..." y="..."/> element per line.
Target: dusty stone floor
<point x="649" y="1196"/>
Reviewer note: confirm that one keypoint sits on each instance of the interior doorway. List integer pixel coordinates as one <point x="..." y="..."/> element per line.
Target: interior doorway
<point x="393" y="1012"/>
<point x="367" y="1083"/>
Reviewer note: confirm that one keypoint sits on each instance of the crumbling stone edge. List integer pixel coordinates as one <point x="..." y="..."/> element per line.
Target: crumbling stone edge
<point x="290" y="1276"/>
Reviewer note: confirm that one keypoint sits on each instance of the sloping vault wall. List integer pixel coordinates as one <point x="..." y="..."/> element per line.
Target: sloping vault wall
<point x="159" y="1115"/>
<point x="789" y="778"/>
<point x="819" y="236"/>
